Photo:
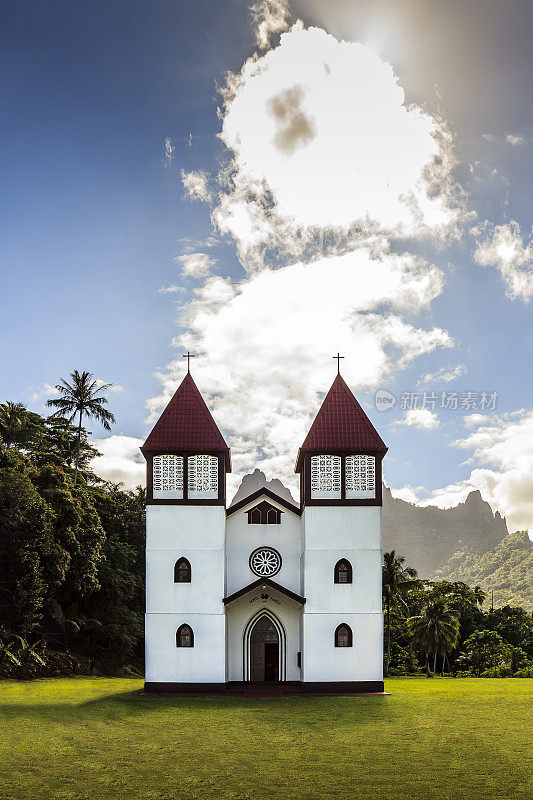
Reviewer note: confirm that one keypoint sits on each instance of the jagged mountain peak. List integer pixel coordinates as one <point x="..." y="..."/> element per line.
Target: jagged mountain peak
<point x="258" y="480"/>
<point x="428" y="536"/>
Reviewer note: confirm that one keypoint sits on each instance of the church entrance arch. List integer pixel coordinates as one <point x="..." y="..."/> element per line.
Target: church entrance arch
<point x="264" y="648"/>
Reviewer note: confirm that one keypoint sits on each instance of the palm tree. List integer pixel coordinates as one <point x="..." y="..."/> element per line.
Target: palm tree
<point x="395" y="579"/>
<point x="17" y="428"/>
<point x="435" y="630"/>
<point x="82" y="397"/>
<point x="479" y="595"/>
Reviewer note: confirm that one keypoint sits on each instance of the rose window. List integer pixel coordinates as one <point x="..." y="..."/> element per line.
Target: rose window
<point x="265" y="561"/>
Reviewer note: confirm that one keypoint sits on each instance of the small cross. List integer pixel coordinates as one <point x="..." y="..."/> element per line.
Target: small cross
<point x="188" y="357"/>
<point x="338" y="357"/>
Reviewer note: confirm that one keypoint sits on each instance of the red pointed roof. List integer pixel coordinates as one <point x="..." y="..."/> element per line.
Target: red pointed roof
<point x="341" y="426"/>
<point x="186" y="425"/>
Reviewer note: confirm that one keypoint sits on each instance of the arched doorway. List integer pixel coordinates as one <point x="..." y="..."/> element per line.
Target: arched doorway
<point x="264" y="648"/>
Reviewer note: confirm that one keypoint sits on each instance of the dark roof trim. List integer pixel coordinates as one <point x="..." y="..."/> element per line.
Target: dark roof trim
<point x="268" y="493"/>
<point x="263" y="582"/>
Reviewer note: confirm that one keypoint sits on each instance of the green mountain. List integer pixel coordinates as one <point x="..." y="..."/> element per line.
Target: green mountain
<point x="506" y="570"/>
<point x="428" y="536"/>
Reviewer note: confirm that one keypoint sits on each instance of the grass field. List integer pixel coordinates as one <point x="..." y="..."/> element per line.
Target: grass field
<point x="102" y="738"/>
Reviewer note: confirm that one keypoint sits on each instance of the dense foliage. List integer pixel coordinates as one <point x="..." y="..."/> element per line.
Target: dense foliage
<point x="440" y="626"/>
<point x="71" y="555"/>
<point x="506" y="570"/>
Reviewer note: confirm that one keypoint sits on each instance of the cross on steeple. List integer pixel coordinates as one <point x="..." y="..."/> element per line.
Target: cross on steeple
<point x="338" y="357"/>
<point x="188" y="356"/>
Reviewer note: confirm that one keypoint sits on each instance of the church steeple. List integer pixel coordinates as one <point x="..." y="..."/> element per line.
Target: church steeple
<point x="186" y="454"/>
<point x="186" y="425"/>
<point x="347" y="442"/>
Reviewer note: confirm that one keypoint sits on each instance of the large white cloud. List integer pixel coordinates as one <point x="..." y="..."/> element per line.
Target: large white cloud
<point x="502" y="449"/>
<point x="326" y="163"/>
<point x="265" y="346"/>
<point x="322" y="140"/>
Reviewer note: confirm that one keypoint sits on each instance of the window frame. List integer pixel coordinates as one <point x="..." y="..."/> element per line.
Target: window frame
<point x="336" y="462"/>
<point x="157" y="465"/>
<point x="369" y="476"/>
<point x="349" y="632"/>
<point x="349" y="571"/>
<point x="178" y="636"/>
<point x="176" y="570"/>
<point x="203" y="494"/>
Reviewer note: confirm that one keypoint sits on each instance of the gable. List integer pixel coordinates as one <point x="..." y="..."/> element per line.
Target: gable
<point x="263" y="494"/>
<point x="264" y="513"/>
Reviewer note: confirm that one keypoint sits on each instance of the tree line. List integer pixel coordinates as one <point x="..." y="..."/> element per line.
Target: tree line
<point x="71" y="545"/>
<point x="442" y="627"/>
<point x="72" y="566"/>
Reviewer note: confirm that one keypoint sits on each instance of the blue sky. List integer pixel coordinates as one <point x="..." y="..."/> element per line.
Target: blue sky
<point x="94" y="217"/>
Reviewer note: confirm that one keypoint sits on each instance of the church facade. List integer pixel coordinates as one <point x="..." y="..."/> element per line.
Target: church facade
<point x="265" y="590"/>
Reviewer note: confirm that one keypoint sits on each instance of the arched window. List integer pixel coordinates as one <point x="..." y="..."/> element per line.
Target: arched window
<point x="273" y="516"/>
<point x="343" y="571"/>
<point x="343" y="636"/>
<point x="254" y="516"/>
<point x="264" y="514"/>
<point x="182" y="571"/>
<point x="184" y="636"/>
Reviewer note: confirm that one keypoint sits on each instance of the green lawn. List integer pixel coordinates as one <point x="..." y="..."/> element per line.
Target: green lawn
<point x="102" y="738"/>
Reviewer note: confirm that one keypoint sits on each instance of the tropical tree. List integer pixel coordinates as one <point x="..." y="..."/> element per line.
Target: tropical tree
<point x="435" y="630"/>
<point x="479" y="595"/>
<point x="82" y="397"/>
<point x="396" y="579"/>
<point x="17" y="425"/>
<point x="486" y="650"/>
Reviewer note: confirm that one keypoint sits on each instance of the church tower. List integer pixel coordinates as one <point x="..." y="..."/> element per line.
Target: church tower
<point x="186" y="460"/>
<point x="340" y="478"/>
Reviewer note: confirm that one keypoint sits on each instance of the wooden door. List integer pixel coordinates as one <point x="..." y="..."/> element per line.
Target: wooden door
<point x="271" y="661"/>
<point x="258" y="661"/>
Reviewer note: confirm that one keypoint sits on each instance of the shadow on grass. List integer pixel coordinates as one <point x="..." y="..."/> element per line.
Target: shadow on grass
<point x="136" y="706"/>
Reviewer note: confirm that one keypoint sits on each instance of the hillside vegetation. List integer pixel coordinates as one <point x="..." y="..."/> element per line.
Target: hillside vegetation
<point x="507" y="570"/>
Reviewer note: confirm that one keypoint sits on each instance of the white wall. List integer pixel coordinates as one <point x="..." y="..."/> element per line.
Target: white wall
<point x="324" y="595"/>
<point x="203" y="663"/>
<point x="219" y="549"/>
<point x="239" y="613"/>
<point x="197" y="527"/>
<point x="196" y="532"/>
<point x="203" y="593"/>
<point x="342" y="526"/>
<point x="242" y="539"/>
<point x="332" y="533"/>
<point x="322" y="661"/>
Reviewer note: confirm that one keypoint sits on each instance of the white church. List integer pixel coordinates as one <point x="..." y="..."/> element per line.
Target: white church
<point x="264" y="590"/>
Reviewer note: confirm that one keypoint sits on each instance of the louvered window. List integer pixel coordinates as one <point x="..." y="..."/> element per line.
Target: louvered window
<point x="167" y="477"/>
<point x="360" y="477"/>
<point x="325" y="477"/>
<point x="202" y="477"/>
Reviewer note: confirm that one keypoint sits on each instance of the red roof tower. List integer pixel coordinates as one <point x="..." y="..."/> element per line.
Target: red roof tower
<point x="186" y="426"/>
<point x="342" y="428"/>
